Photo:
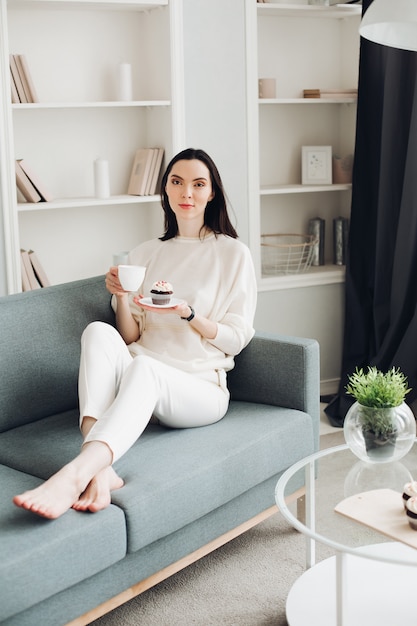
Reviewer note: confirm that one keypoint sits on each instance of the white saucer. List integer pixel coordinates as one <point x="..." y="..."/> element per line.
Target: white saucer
<point x="173" y="302"/>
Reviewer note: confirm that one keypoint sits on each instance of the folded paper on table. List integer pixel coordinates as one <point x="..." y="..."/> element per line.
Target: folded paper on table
<point x="381" y="510"/>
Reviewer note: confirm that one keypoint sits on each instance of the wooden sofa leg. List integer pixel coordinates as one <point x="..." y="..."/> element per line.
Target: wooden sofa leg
<point x="158" y="577"/>
<point x="168" y="571"/>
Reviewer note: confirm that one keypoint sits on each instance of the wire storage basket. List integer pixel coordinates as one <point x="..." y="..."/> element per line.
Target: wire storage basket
<point x="287" y="253"/>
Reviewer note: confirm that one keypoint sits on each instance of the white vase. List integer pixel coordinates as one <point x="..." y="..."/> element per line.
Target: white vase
<point x="376" y="448"/>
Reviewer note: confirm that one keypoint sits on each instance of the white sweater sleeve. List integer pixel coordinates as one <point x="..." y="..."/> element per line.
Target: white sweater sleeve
<point x="235" y="328"/>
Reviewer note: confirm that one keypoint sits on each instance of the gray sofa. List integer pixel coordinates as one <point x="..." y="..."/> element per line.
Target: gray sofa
<point x="186" y="492"/>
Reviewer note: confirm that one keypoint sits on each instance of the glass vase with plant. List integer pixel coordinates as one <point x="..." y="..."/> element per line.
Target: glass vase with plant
<point x="379" y="416"/>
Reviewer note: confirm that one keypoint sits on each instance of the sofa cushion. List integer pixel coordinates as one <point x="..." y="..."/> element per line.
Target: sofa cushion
<point x="178" y="476"/>
<point x="42" y="448"/>
<point x="41" y="557"/>
<point x="174" y="477"/>
<point x="282" y="362"/>
<point x="41" y="333"/>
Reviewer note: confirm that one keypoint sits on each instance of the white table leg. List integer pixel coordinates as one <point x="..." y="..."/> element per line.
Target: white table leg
<point x="341" y="582"/>
<point x="310" y="513"/>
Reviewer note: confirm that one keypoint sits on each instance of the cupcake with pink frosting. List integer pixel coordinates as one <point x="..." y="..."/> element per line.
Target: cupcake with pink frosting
<point x="161" y="292"/>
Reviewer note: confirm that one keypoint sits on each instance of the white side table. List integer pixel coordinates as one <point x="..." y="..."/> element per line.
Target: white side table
<point x="371" y="580"/>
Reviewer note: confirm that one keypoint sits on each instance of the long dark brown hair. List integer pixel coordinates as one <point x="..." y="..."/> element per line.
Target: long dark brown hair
<point x="216" y="217"/>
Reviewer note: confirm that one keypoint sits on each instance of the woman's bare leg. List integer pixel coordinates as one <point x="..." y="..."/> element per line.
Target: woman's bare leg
<point x="97" y="495"/>
<point x="60" y="492"/>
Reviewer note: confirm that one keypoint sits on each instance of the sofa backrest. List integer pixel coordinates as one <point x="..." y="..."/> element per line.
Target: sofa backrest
<point x="40" y="347"/>
<point x="40" y="354"/>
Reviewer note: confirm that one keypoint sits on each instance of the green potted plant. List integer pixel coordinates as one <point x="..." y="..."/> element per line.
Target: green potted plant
<point x="379" y="416"/>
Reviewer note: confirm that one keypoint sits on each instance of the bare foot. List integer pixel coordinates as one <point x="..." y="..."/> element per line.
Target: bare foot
<point x="54" y="497"/>
<point x="97" y="495"/>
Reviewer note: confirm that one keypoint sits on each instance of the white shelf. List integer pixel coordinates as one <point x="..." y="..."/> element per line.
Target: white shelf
<point x="70" y="203"/>
<point x="121" y="5"/>
<point x="300" y="45"/>
<point x="88" y="105"/>
<point x="338" y="11"/>
<point x="308" y="101"/>
<point x="79" y="119"/>
<point x="274" y="190"/>
<point x="313" y="277"/>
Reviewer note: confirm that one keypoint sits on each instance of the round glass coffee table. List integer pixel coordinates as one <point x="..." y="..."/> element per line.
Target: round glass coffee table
<point x="371" y="579"/>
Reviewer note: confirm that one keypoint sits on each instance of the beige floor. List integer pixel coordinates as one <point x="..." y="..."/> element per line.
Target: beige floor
<point x="325" y="427"/>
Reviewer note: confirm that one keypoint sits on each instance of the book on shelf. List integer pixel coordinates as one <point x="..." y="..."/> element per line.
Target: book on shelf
<point x="145" y="171"/>
<point x="140" y="172"/>
<point x="33" y="274"/>
<point x="38" y="269"/>
<point x="330" y="93"/>
<point x="24" y="80"/>
<point x="25" y="186"/>
<point x="156" y="171"/>
<point x="25" y="278"/>
<point x="339" y="93"/>
<point x="15" y="75"/>
<point x="26" y="76"/>
<point x="21" y="78"/>
<point x="29" y="280"/>
<point x="311" y="93"/>
<point x="15" y="95"/>
<point x="42" y="191"/>
<point x="151" y="170"/>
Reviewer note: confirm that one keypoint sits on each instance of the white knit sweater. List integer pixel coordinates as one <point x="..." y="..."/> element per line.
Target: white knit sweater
<point x="216" y="277"/>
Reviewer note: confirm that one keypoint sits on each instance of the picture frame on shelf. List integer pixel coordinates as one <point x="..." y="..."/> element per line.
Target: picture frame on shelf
<point x="316" y="165"/>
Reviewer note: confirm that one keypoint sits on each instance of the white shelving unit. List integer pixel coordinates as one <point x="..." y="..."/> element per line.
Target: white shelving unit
<point x="303" y="47"/>
<point x="78" y="118"/>
<point x="298" y="8"/>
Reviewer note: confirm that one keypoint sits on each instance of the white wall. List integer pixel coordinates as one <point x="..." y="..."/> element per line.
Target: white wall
<point x="315" y="312"/>
<point x="215" y="93"/>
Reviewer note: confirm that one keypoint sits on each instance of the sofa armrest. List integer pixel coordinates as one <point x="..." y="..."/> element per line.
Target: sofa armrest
<point x="279" y="370"/>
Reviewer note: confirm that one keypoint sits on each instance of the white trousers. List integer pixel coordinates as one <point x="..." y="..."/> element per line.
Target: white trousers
<point x="123" y="392"/>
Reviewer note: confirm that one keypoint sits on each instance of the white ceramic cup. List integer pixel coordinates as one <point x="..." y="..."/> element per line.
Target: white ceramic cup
<point x="131" y="276"/>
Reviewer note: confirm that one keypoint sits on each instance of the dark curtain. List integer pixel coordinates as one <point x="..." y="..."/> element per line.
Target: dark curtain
<point x="381" y="268"/>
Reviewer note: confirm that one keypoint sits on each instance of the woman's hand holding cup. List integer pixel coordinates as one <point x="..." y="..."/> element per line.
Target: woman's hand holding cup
<point x="120" y="279"/>
<point x="112" y="282"/>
